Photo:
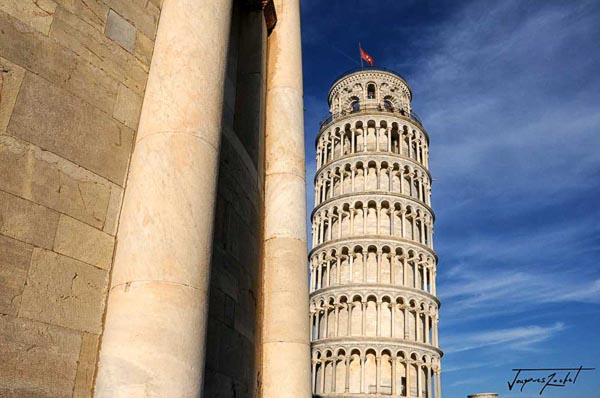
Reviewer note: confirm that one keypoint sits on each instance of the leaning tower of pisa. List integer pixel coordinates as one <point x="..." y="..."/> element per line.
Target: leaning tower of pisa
<point x="374" y="311"/>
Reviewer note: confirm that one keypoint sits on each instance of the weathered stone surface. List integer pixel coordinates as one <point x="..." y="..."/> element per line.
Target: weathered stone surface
<point x="96" y="48"/>
<point x="72" y="129"/>
<point x="114" y="209"/>
<point x="48" y="179"/>
<point x="143" y="49"/>
<point x="86" y="366"/>
<point x="36" y="13"/>
<point x="64" y="292"/>
<point x="26" y="221"/>
<point x="82" y="242"/>
<point x="128" y="107"/>
<point x="11" y="76"/>
<point x="37" y="360"/>
<point x="121" y="31"/>
<point x="94" y="12"/>
<point x="142" y="13"/>
<point x="157" y="3"/>
<point x="44" y="56"/>
<point x="14" y="263"/>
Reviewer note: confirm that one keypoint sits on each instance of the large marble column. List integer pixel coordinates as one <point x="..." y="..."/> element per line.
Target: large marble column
<point x="154" y="335"/>
<point x="285" y="359"/>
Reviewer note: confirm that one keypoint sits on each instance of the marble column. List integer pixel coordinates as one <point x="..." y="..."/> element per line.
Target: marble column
<point x="155" y="327"/>
<point x="285" y="362"/>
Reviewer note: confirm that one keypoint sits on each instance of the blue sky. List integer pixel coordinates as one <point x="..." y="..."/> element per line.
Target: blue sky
<point x="509" y="92"/>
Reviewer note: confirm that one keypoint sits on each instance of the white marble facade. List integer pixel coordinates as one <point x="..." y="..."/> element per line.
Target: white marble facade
<point x="373" y="305"/>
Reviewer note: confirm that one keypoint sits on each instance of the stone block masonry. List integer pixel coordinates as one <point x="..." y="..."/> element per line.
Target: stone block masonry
<point x="72" y="77"/>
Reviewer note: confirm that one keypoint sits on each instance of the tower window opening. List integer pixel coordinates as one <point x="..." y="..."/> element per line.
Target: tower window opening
<point x="355" y="105"/>
<point x="387" y="104"/>
<point x="371" y="91"/>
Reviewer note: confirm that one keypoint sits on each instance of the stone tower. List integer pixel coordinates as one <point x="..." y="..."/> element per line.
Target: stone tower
<point x="373" y="309"/>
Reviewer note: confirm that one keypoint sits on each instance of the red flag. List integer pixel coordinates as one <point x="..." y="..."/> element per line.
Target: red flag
<point x="366" y="57"/>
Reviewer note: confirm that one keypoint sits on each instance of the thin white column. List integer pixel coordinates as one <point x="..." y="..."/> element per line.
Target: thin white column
<point x="402" y="220"/>
<point x="323" y="369"/>
<point x="314" y="376"/>
<point x="331" y="186"/>
<point x="394" y="360"/>
<point x="326" y="321"/>
<point x="379" y="255"/>
<point x="378" y="328"/>
<point x="347" y="381"/>
<point x="321" y="231"/>
<point x="333" y="366"/>
<point x="351" y="269"/>
<point x="415" y="274"/>
<point x="362" y="375"/>
<point x="377" y="374"/>
<point x="429" y="395"/>
<point x="419" y="381"/>
<point x="435" y="330"/>
<point x="364" y="318"/>
<point x="393" y="316"/>
<point x="350" y="306"/>
<point x="339" y="270"/>
<point x="158" y="297"/>
<point x="418" y="326"/>
<point x="320" y="284"/>
<point x="337" y="320"/>
<point x="408" y="367"/>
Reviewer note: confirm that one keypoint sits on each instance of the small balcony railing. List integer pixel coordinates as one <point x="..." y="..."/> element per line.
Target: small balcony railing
<point x="366" y="109"/>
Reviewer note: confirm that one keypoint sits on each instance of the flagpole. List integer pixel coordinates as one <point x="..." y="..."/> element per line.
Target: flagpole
<point x="360" y="55"/>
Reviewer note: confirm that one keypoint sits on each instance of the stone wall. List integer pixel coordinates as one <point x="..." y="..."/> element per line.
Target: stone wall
<point x="72" y="79"/>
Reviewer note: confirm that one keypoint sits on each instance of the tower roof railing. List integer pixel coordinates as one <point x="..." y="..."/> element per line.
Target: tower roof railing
<point x="367" y="69"/>
<point x="365" y="109"/>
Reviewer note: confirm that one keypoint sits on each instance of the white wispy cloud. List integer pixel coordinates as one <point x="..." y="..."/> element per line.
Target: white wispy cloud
<point x="517" y="338"/>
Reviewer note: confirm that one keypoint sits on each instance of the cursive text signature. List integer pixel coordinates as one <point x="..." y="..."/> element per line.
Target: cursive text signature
<point x="559" y="377"/>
